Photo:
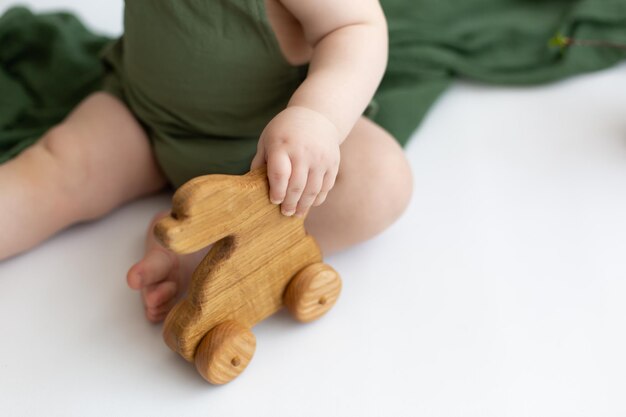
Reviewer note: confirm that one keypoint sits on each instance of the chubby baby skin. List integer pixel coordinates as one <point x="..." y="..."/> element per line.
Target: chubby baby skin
<point x="345" y="44"/>
<point x="323" y="157"/>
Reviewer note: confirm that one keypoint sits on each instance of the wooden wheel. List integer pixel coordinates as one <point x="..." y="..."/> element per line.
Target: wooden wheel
<point x="312" y="292"/>
<point x="224" y="352"/>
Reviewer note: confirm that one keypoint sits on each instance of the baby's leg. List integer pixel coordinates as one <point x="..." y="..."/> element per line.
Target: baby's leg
<point x="95" y="160"/>
<point x="372" y="190"/>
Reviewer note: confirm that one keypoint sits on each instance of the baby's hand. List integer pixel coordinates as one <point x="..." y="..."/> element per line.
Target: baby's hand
<point x="301" y="149"/>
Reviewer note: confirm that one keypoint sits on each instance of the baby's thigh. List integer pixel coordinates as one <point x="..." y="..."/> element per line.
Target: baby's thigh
<point x="102" y="154"/>
<point x="373" y="188"/>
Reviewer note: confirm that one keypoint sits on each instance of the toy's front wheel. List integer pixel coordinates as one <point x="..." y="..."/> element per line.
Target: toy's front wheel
<point x="225" y="352"/>
<point x="312" y="292"/>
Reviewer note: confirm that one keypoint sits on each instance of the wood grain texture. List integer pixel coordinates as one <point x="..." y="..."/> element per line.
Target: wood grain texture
<point x="225" y="352"/>
<point x="257" y="251"/>
<point x="312" y="292"/>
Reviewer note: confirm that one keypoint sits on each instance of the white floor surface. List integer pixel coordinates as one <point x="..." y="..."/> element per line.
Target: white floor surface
<point x="501" y="292"/>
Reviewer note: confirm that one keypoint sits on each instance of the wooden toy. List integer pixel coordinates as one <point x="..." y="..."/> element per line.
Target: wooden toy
<point x="260" y="260"/>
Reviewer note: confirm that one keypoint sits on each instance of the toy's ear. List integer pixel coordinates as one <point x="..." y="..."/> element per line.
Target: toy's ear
<point x="203" y="193"/>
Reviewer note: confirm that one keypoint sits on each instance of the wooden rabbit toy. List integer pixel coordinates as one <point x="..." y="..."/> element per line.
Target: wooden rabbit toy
<point x="260" y="260"/>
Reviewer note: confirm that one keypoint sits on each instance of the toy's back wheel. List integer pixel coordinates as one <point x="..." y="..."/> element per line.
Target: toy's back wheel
<point x="312" y="292"/>
<point x="225" y="352"/>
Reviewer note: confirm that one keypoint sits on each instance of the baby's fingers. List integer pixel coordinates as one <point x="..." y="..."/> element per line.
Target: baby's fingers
<point x="297" y="182"/>
<point x="278" y="173"/>
<point x="327" y="185"/>
<point x="310" y="193"/>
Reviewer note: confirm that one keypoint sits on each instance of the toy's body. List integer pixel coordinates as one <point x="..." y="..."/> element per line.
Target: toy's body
<point x="260" y="261"/>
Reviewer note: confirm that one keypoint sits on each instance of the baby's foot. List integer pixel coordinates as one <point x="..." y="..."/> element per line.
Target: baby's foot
<point x="161" y="276"/>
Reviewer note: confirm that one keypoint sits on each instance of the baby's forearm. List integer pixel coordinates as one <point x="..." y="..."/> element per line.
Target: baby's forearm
<point x="345" y="70"/>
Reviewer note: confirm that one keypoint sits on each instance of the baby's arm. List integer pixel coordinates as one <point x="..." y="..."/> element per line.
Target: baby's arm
<point x="301" y="144"/>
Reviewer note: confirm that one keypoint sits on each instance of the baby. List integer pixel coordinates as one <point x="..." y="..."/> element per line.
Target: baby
<point x="197" y="87"/>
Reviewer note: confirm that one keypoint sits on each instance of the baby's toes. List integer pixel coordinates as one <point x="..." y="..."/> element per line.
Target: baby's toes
<point x="158" y="294"/>
<point x="156" y="266"/>
<point x="159" y="299"/>
<point x="158" y="314"/>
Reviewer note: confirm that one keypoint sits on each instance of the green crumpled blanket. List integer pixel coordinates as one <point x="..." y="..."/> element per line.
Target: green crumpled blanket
<point x="49" y="62"/>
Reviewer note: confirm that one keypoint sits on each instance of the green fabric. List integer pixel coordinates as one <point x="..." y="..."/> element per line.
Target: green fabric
<point x="492" y="41"/>
<point x="205" y="78"/>
<point x="49" y="62"/>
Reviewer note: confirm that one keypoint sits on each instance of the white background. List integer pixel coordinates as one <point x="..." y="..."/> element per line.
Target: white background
<point x="501" y="292"/>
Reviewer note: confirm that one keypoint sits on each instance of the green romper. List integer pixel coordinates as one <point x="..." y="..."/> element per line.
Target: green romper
<point x="203" y="77"/>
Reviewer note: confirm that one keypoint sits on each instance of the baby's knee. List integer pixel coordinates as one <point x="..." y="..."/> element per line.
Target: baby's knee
<point x="66" y="168"/>
<point x="58" y="145"/>
<point x="391" y="187"/>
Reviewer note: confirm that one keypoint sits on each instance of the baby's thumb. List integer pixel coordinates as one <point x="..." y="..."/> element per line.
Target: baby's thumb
<point x="258" y="160"/>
